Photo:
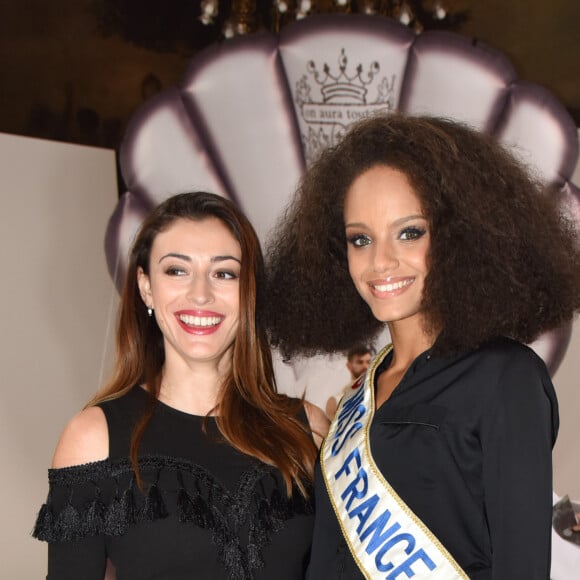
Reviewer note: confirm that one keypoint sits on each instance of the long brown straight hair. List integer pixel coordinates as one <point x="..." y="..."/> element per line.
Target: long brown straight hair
<point x="250" y="414"/>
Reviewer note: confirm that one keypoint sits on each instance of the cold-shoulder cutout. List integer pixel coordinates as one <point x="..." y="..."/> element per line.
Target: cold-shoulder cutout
<point x="85" y="439"/>
<point x="318" y="422"/>
<point x="204" y="509"/>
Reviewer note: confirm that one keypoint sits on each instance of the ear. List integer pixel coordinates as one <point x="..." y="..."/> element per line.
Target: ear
<point x="144" y="287"/>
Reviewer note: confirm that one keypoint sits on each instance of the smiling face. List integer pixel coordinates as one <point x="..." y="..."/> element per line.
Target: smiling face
<point x="193" y="287"/>
<point x="388" y="244"/>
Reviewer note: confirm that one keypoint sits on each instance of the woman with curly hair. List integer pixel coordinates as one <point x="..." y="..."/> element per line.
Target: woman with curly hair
<point x="188" y="464"/>
<point x="438" y="461"/>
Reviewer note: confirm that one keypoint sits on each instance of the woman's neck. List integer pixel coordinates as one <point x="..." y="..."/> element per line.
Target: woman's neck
<point x="409" y="341"/>
<point x="194" y="389"/>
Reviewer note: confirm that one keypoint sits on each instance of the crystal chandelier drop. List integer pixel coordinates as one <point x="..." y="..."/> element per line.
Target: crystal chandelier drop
<point x="247" y="16"/>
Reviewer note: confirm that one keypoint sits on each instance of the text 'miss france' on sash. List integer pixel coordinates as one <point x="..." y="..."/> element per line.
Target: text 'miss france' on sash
<point x="386" y="539"/>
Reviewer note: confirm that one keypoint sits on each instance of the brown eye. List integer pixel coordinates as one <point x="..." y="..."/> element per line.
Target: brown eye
<point x="226" y="275"/>
<point x="359" y="240"/>
<point x="412" y="233"/>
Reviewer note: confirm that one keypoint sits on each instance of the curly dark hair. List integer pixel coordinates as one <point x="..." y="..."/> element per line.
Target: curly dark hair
<point x="503" y="258"/>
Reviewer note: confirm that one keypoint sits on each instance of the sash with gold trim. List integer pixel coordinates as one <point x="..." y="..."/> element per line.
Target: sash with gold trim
<point x="386" y="539"/>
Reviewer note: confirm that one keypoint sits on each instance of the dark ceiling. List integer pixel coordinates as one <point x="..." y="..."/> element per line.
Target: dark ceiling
<point x="76" y="70"/>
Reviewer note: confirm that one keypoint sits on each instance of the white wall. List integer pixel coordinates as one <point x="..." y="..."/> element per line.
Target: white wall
<point x="567" y="383"/>
<point x="567" y="450"/>
<point x="55" y="303"/>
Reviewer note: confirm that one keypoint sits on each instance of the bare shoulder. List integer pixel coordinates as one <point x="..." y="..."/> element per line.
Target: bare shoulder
<point x="84" y="439"/>
<point x="318" y="421"/>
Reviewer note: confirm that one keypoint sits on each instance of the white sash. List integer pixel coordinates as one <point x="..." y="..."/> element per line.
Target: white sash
<point x="386" y="539"/>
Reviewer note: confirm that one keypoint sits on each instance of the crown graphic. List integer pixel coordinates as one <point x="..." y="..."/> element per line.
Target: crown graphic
<point x="343" y="87"/>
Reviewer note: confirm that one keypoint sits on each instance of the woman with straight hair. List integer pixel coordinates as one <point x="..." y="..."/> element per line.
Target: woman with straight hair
<point x="437" y="464"/>
<point x="188" y="464"/>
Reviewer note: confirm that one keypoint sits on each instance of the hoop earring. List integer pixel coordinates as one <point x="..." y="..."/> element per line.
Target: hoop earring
<point x="150" y="312"/>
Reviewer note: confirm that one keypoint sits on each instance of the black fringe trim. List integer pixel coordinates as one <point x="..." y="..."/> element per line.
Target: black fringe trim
<point x="204" y="503"/>
<point x="72" y="523"/>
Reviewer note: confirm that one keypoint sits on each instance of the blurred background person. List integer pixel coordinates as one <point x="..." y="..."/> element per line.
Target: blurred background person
<point x="358" y="360"/>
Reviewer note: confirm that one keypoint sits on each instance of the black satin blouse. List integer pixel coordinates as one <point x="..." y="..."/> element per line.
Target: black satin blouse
<point x="466" y="442"/>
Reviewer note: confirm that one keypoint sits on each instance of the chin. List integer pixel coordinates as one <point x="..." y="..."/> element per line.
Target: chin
<point x="388" y="314"/>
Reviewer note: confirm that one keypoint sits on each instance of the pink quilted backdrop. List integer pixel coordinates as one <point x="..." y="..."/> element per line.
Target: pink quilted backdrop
<point x="252" y="112"/>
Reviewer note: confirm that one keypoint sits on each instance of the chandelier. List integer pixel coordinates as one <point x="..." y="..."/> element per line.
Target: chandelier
<point x="247" y="16"/>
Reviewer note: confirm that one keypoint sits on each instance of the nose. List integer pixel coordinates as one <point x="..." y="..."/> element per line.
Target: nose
<point x="200" y="291"/>
<point x="384" y="257"/>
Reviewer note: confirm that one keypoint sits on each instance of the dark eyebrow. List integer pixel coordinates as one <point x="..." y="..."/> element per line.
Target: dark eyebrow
<point x="224" y="258"/>
<point x="188" y="258"/>
<point x="397" y="222"/>
<point x="409" y="218"/>
<point x="175" y="255"/>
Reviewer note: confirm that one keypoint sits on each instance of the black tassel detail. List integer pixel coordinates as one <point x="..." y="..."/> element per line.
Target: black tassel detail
<point x="95" y="516"/>
<point x="120" y="514"/>
<point x="114" y="520"/>
<point x="194" y="510"/>
<point x="154" y="508"/>
<point x="43" y="528"/>
<point x="68" y="525"/>
<point x="257" y="540"/>
<point x="254" y="557"/>
<point x="128" y="508"/>
<point x="258" y="535"/>
<point x="232" y="558"/>
<point x="184" y="507"/>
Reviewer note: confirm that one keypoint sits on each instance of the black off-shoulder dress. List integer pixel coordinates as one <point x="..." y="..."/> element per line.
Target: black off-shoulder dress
<point x="207" y="511"/>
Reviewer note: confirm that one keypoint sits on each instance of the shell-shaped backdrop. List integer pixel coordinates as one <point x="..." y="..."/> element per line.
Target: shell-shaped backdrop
<point x="252" y="112"/>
